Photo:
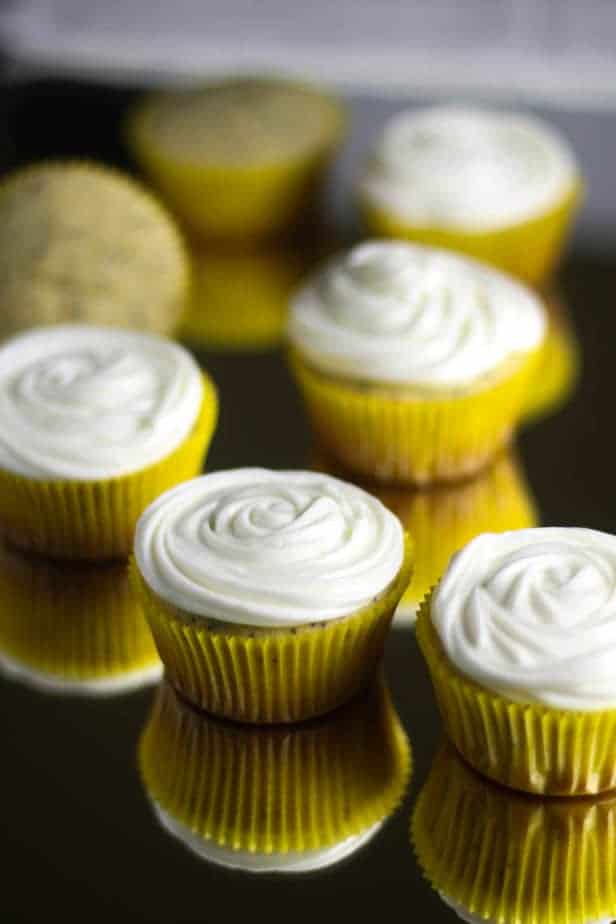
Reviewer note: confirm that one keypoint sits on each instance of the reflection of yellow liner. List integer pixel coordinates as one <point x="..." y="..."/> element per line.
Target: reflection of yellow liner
<point x="410" y="435"/>
<point x="529" y="250"/>
<point x="96" y="519"/>
<point x="271" y="674"/>
<point x="558" y="365"/>
<point x="284" y="791"/>
<point x="515" y="859"/>
<point x="72" y="627"/>
<point x="527" y="746"/>
<point x="240" y="300"/>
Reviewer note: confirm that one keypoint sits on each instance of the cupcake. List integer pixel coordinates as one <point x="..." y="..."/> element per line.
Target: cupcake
<point x="414" y="363"/>
<point x="68" y="627"/>
<point x="503" y="858"/>
<point x="307" y="796"/>
<point x="519" y="637"/>
<point x="96" y="423"/>
<point x="80" y="242"/>
<point x="498" y="186"/>
<point x="238" y="159"/>
<point x="558" y="367"/>
<point x="269" y="594"/>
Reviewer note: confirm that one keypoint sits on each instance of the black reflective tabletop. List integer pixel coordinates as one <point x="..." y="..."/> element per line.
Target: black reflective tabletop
<point x="119" y="802"/>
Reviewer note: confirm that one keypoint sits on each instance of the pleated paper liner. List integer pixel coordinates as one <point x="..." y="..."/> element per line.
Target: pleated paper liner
<point x="526" y="746"/>
<point x="405" y="435"/>
<point x="287" y="797"/>
<point x="444" y="518"/>
<point x="271" y="675"/>
<point x="558" y="368"/>
<point x="242" y="199"/>
<point x="508" y="858"/>
<point x="529" y="250"/>
<point x="71" y="627"/>
<point x="96" y="519"/>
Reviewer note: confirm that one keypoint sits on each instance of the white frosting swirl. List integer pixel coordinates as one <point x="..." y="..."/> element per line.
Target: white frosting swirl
<point x="469" y="169"/>
<point x="86" y="402"/>
<point x="531" y="614"/>
<point x="264" y="548"/>
<point x="406" y="314"/>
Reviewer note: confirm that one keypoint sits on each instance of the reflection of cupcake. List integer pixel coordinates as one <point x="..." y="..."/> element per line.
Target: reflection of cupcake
<point x="558" y="366"/>
<point x="505" y="858"/>
<point x="240" y="300"/>
<point x="96" y="423"/>
<point x="497" y="186"/>
<point x="80" y="242"/>
<point x="414" y="363"/>
<point x="269" y="594"/>
<point x="280" y="799"/>
<point x="72" y="628"/>
<point x="241" y="158"/>
<point x="519" y="637"/>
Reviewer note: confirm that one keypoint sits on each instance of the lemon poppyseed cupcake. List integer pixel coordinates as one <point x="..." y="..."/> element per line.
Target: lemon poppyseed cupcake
<point x="558" y="369"/>
<point x="68" y="627"/>
<point x="238" y="159"/>
<point x="414" y="362"/>
<point x="80" y="242"/>
<point x="96" y="423"/>
<point x="504" y="858"/>
<point x="269" y="594"/>
<point x="498" y="186"/>
<point x="310" y="795"/>
<point x="519" y="637"/>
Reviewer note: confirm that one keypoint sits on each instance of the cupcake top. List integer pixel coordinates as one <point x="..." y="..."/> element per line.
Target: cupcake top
<point x="263" y="548"/>
<point x="85" y="402"/>
<point x="400" y="313"/>
<point x="531" y="614"/>
<point x="468" y="168"/>
<point x="241" y="122"/>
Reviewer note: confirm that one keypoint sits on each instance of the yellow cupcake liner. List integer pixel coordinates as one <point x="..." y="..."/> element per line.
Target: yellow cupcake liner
<point x="279" y="790"/>
<point x="406" y="435"/>
<point x="558" y="366"/>
<point x="72" y="627"/>
<point x="529" y="250"/>
<point x="271" y="675"/>
<point x="96" y="519"/>
<point x="514" y="859"/>
<point x="526" y="746"/>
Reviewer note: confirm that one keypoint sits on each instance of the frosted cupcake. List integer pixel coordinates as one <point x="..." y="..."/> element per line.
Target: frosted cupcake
<point x="495" y="185"/>
<point x="414" y="362"/>
<point x="96" y="423"/>
<point x="82" y="243"/>
<point x="311" y="796"/>
<point x="238" y="159"/>
<point x="502" y="858"/>
<point x="519" y="637"/>
<point x="72" y="628"/>
<point x="269" y="594"/>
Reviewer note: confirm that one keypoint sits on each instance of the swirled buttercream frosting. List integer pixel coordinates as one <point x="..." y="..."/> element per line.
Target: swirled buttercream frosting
<point x="85" y="402"/>
<point x="402" y="313"/>
<point x="531" y="614"/>
<point x="264" y="548"/>
<point x="468" y="169"/>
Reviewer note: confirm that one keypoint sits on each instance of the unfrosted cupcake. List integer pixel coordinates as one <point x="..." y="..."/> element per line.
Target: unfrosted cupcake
<point x="269" y="594"/>
<point x="242" y="158"/>
<point x="496" y="185"/>
<point x="96" y="423"/>
<point x="80" y="242"/>
<point x="311" y="796"/>
<point x="504" y="858"/>
<point x="414" y="362"/>
<point x="520" y="639"/>
<point x="72" y="628"/>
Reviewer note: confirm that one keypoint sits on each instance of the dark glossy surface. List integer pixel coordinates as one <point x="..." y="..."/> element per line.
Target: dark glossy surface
<point x="79" y="840"/>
